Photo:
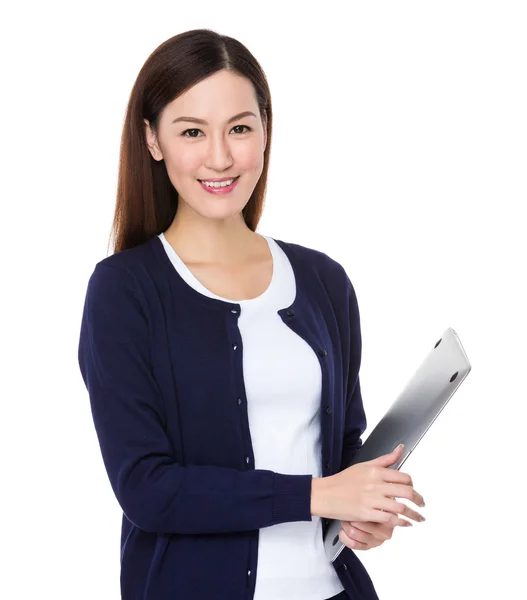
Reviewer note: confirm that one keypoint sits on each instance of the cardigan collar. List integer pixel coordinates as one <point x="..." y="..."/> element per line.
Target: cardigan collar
<point x="297" y="261"/>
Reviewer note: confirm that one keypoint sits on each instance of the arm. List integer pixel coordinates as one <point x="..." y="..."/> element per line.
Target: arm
<point x="155" y="492"/>
<point x="355" y="419"/>
<point x="354" y="427"/>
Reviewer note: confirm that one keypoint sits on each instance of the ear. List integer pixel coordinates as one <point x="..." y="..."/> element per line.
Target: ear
<point x="264" y="122"/>
<point x="152" y="143"/>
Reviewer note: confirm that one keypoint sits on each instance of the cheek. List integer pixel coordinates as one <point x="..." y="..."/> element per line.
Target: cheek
<point x="251" y="159"/>
<point x="182" y="161"/>
<point x="188" y="162"/>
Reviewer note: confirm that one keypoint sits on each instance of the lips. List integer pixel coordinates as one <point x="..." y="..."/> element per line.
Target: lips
<point x="220" y="181"/>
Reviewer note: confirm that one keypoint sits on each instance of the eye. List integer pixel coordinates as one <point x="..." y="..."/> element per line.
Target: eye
<point x="194" y="136"/>
<point x="246" y="127"/>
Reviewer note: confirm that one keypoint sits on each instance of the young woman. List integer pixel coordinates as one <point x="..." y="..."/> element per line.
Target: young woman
<point x="222" y="365"/>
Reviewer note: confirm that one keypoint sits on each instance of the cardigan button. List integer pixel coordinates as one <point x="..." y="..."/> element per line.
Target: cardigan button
<point x="328" y="410"/>
<point x="234" y="346"/>
<point x="290" y="313"/>
<point x="322" y="352"/>
<point x="239" y="401"/>
<point x="328" y="464"/>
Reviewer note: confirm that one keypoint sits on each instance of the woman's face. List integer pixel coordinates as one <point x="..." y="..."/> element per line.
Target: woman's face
<point x="215" y="148"/>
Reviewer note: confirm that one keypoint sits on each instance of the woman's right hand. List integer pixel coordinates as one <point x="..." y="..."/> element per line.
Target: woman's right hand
<point x="366" y="492"/>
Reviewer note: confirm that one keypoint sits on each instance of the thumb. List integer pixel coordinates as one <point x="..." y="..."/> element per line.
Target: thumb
<point x="389" y="459"/>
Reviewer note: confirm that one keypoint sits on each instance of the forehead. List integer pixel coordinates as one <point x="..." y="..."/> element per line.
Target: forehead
<point x="219" y="96"/>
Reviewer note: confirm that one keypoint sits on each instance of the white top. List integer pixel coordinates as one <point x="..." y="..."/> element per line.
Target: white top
<point x="283" y="384"/>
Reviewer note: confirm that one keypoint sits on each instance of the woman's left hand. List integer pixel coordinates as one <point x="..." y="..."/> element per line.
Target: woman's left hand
<point x="363" y="535"/>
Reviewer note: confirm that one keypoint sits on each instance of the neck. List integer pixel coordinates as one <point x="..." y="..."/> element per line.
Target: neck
<point x="226" y="242"/>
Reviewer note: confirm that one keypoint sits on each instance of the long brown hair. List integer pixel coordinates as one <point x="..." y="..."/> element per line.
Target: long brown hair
<point x="146" y="199"/>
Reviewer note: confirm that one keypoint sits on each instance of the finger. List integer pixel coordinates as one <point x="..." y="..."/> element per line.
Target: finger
<point x="388" y="459"/>
<point x="392" y="476"/>
<point x="395" y="490"/>
<point x="398" y="522"/>
<point x="358" y="535"/>
<point x="350" y="543"/>
<point x="384" y="530"/>
<point x="379" y="531"/>
<point x="398" y="508"/>
<point x="395" y="521"/>
<point x="382" y="516"/>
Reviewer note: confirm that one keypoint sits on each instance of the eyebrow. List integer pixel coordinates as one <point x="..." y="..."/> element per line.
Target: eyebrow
<point x="246" y="113"/>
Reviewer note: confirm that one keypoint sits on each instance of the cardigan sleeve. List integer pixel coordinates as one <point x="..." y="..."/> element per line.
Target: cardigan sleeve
<point x="155" y="492"/>
<point x="355" y="417"/>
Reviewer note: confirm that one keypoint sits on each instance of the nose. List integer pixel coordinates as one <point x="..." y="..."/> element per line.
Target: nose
<point x="219" y="155"/>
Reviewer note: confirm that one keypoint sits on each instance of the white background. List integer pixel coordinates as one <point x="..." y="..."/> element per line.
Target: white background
<point x="399" y="149"/>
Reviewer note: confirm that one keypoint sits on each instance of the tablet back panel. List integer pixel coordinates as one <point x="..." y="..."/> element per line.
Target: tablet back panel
<point x="413" y="412"/>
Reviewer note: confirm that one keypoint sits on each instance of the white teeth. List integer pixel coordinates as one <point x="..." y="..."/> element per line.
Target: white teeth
<point x="218" y="184"/>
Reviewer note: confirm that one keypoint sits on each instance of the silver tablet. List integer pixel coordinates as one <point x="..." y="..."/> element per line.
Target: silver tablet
<point x="412" y="413"/>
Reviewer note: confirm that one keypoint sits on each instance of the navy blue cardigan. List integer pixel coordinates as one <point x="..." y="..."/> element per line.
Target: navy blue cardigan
<point x="162" y="364"/>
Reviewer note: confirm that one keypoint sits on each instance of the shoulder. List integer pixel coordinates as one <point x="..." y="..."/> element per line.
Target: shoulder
<point x="132" y="260"/>
<point x="325" y="270"/>
<point x="123" y="273"/>
<point x="329" y="270"/>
